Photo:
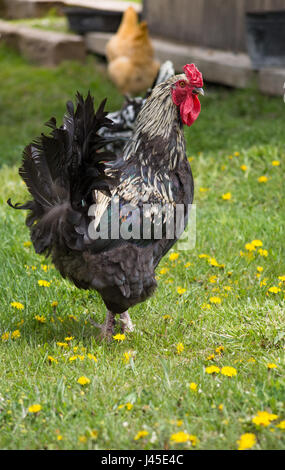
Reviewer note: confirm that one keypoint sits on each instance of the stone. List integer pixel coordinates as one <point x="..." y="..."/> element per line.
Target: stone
<point x="271" y="81"/>
<point x="43" y="47"/>
<point x="217" y="66"/>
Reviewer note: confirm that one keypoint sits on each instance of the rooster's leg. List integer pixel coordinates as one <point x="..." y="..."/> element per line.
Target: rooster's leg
<point x="127" y="325"/>
<point x="108" y="327"/>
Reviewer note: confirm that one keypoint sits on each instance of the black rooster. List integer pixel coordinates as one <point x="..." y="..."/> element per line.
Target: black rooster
<point x="89" y="207"/>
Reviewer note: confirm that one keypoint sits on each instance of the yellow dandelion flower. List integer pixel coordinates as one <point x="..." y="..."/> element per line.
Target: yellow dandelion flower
<point x="271" y="365"/>
<point x="250" y="247"/>
<point x="52" y="359"/>
<point x="252" y="360"/>
<point x="228" y="371"/>
<point x="54" y="303"/>
<point x="263" y="418"/>
<point x="281" y="425"/>
<point x="281" y="278"/>
<point x="263" y="252"/>
<point x="83" y="380"/>
<point x="216" y="289"/>
<point x="259" y="269"/>
<point x="72" y="358"/>
<point x="262" y="179"/>
<point x="221" y="407"/>
<point x="59" y="437"/>
<point x="17" y="305"/>
<point x="16" y="334"/>
<point x="236" y="154"/>
<point x="243" y="167"/>
<point x="182" y="437"/>
<point x="126" y="357"/>
<point x="274" y="290"/>
<point x="44" y="267"/>
<point x="173" y="256"/>
<point x="203" y="255"/>
<point x="27" y="244"/>
<point x="257" y="243"/>
<point x="187" y="265"/>
<point x="212" y="370"/>
<point x="215" y="300"/>
<point x="227" y="196"/>
<point x="43" y="283"/>
<point x="179" y="423"/>
<point x="193" y="386"/>
<point x="92" y="357"/>
<point x="93" y="434"/>
<point x="73" y="317"/>
<point x="69" y="338"/>
<point x="180" y="348"/>
<point x="206" y="306"/>
<point x="212" y="356"/>
<point x="213" y="262"/>
<point x="62" y="344"/>
<point x="129" y="406"/>
<point x="40" y="318"/>
<point x="140" y="435"/>
<point x="34" y="408"/>
<point x="119" y="337"/>
<point x="246" y="441"/>
<point x="166" y="317"/>
<point x="82" y="439"/>
<point x="275" y="163"/>
<point x="163" y="271"/>
<point x="181" y="290"/>
<point x="203" y="190"/>
<point x="220" y="349"/>
<point x="227" y="288"/>
<point x="5" y="336"/>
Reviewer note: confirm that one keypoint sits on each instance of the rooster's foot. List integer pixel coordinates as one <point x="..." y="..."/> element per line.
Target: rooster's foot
<point x="107" y="328"/>
<point x="127" y="324"/>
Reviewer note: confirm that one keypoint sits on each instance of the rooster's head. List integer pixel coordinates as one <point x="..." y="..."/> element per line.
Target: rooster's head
<point x="184" y="94"/>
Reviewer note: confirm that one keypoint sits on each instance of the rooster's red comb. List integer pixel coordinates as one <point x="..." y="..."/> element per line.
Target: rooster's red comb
<point x="193" y="75"/>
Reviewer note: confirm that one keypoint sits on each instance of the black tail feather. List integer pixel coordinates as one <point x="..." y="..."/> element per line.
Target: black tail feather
<point x="60" y="171"/>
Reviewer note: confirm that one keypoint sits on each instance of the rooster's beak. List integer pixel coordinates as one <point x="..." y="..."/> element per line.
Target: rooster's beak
<point x="198" y="91"/>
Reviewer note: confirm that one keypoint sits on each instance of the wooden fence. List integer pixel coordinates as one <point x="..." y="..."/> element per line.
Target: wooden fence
<point x="217" y="24"/>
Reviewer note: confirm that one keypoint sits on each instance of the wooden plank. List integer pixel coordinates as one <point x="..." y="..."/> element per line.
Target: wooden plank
<point x="113" y="5"/>
<point x="271" y="81"/>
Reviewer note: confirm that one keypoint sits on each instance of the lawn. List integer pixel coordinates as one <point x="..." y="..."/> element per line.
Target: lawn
<point x="220" y="304"/>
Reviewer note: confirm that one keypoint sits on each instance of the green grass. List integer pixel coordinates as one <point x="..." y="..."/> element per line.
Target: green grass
<point x="47" y="23"/>
<point x="248" y="323"/>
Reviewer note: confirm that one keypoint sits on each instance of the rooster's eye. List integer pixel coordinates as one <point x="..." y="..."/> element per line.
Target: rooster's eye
<point x="182" y="84"/>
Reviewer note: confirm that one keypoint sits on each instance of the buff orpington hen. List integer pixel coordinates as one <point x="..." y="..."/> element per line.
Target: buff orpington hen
<point x="104" y="218"/>
<point x="131" y="63"/>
